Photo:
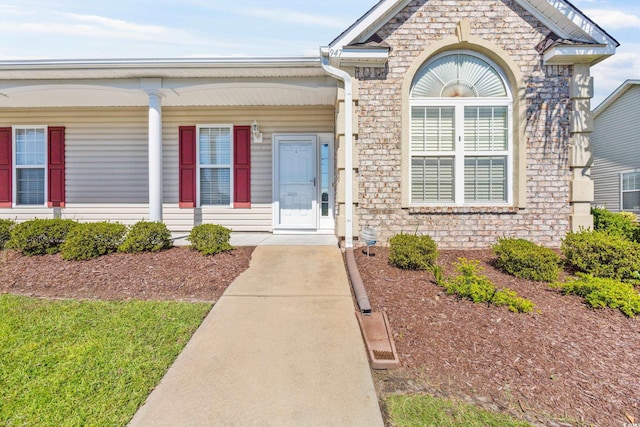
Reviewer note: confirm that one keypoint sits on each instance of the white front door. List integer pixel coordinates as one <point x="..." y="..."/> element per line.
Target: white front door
<point x="296" y="189"/>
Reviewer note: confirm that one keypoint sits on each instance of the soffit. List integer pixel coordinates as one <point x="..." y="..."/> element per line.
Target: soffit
<point x="174" y="93"/>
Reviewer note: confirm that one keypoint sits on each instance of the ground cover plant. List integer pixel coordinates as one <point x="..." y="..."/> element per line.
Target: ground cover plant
<point x="601" y="292"/>
<point x="77" y="363"/>
<point x="429" y="411"/>
<point x="472" y="284"/>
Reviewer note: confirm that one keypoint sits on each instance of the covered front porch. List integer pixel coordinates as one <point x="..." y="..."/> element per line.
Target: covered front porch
<point x="125" y="159"/>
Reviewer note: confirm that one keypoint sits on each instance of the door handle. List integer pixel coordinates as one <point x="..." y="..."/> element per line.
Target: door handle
<point x="314" y="181"/>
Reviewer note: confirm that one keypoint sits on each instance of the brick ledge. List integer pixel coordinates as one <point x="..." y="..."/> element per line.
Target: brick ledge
<point x="458" y="210"/>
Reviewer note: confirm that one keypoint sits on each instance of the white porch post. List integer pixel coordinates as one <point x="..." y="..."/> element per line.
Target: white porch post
<point x="155" y="157"/>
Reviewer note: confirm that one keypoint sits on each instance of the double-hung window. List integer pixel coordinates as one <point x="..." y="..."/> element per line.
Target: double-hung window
<point x="215" y="159"/>
<point x="461" y="150"/>
<point x="630" y="197"/>
<point x="30" y="148"/>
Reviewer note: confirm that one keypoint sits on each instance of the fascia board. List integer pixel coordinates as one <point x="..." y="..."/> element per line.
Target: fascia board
<point x="369" y="23"/>
<point x="570" y="13"/>
<point x="571" y="54"/>
<point x="161" y="63"/>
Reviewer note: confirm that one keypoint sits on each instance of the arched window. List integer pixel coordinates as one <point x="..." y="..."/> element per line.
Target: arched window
<point x="461" y="149"/>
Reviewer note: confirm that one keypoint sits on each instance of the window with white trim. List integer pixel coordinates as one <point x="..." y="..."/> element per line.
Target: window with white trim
<point x="630" y="191"/>
<point x="215" y="159"/>
<point x="461" y="149"/>
<point x="30" y="160"/>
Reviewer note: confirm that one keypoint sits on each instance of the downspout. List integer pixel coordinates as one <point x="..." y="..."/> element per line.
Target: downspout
<point x="348" y="140"/>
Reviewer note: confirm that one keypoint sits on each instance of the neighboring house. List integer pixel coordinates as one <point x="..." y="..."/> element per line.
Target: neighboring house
<point x="452" y="118"/>
<point x="616" y="150"/>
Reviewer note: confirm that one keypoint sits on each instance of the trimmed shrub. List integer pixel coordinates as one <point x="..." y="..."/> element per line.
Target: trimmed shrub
<point x="5" y="231"/>
<point x="146" y="236"/>
<point x="93" y="239"/>
<point x="412" y="252"/>
<point x="526" y="260"/>
<point x="604" y="292"/>
<point x="614" y="223"/>
<point x="210" y="239"/>
<point x="40" y="236"/>
<point x="601" y="254"/>
<point x="473" y="285"/>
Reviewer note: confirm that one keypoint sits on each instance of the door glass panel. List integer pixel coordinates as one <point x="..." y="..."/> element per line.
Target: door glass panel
<point x="324" y="180"/>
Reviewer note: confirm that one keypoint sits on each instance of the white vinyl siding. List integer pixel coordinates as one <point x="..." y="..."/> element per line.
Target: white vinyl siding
<point x="215" y="154"/>
<point x="30" y="160"/>
<point x="107" y="176"/>
<point x="615" y="141"/>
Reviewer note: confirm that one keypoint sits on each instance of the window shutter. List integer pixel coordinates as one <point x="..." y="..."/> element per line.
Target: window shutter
<point x="187" y="167"/>
<point x="5" y="168"/>
<point x="56" y="167"/>
<point x="242" y="166"/>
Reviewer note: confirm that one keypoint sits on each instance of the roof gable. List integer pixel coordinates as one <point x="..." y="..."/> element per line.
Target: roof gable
<point x="586" y="41"/>
<point x="611" y="99"/>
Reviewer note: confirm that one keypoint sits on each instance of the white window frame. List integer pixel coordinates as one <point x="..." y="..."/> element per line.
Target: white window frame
<point x="229" y="166"/>
<point x="15" y="166"/>
<point x="459" y="154"/>
<point x="622" y="191"/>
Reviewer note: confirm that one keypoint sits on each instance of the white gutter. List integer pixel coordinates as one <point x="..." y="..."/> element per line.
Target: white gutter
<point x="348" y="141"/>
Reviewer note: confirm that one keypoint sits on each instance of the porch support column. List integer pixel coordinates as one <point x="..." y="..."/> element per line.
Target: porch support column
<point x="155" y="156"/>
<point x="580" y="153"/>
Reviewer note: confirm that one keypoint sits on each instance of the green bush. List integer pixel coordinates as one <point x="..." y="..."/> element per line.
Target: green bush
<point x="526" y="260"/>
<point x="472" y="284"/>
<point x="617" y="224"/>
<point x="412" y="252"/>
<point x="92" y="240"/>
<point x="604" y="292"/>
<point x="40" y="236"/>
<point x="147" y="236"/>
<point x="5" y="231"/>
<point x="210" y="239"/>
<point x="601" y="254"/>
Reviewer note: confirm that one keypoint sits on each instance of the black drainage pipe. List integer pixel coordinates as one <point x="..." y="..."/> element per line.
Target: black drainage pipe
<point x="356" y="283"/>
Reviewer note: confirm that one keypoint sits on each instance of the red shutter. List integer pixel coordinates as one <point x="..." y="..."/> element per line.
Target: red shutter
<point x="242" y="166"/>
<point x="56" y="167"/>
<point x="6" y="172"/>
<point x="187" y="168"/>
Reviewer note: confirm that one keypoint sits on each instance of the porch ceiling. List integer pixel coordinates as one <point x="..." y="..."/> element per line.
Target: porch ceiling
<point x="174" y="92"/>
<point x="180" y="82"/>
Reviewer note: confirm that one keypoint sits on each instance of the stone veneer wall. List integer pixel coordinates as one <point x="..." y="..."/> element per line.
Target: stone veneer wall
<point x="545" y="217"/>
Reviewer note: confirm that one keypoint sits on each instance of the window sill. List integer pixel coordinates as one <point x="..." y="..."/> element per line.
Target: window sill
<point x="461" y="210"/>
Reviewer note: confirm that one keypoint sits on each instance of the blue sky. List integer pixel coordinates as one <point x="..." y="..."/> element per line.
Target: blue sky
<point x="72" y="29"/>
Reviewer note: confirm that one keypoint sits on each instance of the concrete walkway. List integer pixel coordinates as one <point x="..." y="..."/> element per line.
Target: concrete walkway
<point x="281" y="347"/>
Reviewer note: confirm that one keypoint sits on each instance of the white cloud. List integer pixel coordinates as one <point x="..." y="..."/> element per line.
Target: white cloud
<point x="290" y="16"/>
<point x="615" y="19"/>
<point x="99" y="27"/>
<point x="611" y="73"/>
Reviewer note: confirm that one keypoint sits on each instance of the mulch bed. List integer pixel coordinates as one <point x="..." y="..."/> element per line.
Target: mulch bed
<point x="566" y="364"/>
<point x="177" y="274"/>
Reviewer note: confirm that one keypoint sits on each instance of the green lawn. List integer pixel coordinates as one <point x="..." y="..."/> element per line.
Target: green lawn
<point x="427" y="411"/>
<point x="78" y="363"/>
